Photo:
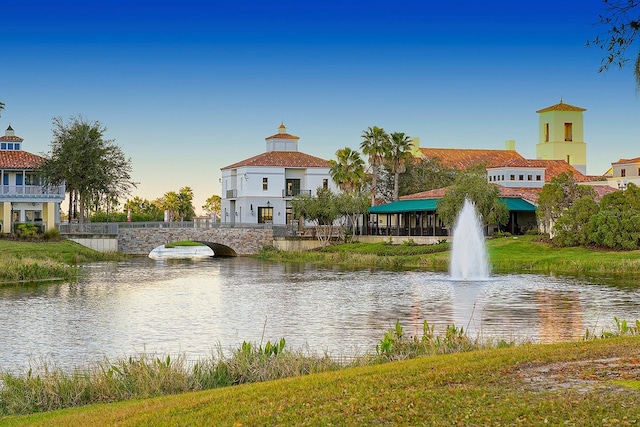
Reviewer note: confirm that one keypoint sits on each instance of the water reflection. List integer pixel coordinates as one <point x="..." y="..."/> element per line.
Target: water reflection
<point x="173" y="306"/>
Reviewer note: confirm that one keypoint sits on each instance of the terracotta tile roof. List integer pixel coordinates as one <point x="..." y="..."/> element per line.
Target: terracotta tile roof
<point x="19" y="160"/>
<point x="460" y="158"/>
<point x="530" y="194"/>
<point x="11" y="138"/>
<point x="282" y="159"/>
<point x="282" y="136"/>
<point x="553" y="168"/>
<point x="625" y="161"/>
<point x="561" y="107"/>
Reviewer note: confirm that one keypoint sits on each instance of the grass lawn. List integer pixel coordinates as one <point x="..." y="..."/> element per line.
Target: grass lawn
<point x="24" y="261"/>
<point x="587" y="383"/>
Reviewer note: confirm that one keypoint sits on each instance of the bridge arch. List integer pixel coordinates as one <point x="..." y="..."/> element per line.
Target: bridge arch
<point x="219" y="249"/>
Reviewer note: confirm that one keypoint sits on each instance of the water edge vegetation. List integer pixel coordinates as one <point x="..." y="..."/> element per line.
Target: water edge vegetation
<point x="443" y="379"/>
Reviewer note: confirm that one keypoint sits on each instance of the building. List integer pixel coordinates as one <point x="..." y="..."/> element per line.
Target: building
<point x="24" y="197"/>
<point x="260" y="189"/>
<point x="560" y="149"/>
<point x="561" y="135"/>
<point x="623" y="172"/>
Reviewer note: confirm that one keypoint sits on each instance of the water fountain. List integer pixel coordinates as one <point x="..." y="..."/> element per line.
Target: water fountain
<point x="468" y="254"/>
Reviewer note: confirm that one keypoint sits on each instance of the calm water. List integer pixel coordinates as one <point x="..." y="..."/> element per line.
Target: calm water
<point x="190" y="307"/>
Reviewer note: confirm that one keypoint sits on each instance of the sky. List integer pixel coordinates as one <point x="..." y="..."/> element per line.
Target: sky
<point x="186" y="88"/>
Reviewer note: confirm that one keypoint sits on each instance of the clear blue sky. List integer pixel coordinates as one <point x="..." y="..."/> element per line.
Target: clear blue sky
<point x="188" y="87"/>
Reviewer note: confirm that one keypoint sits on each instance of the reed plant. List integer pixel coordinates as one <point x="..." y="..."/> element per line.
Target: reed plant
<point x="45" y="387"/>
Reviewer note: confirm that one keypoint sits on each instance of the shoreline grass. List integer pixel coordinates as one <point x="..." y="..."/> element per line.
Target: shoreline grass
<point x="25" y="262"/>
<point x="523" y="254"/>
<point x="554" y="384"/>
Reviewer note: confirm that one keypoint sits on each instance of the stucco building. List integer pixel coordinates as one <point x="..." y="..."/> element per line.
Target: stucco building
<point x="260" y="189"/>
<point x="24" y="197"/>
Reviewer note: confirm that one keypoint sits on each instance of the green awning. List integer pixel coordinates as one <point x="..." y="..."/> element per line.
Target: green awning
<point x="399" y="206"/>
<point x="429" y="205"/>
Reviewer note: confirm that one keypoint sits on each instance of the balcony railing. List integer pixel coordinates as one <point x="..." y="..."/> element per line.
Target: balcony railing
<point x="232" y="194"/>
<point x="32" y="191"/>
<point x="293" y="193"/>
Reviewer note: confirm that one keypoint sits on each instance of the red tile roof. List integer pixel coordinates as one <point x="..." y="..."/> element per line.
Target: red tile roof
<point x="282" y="159"/>
<point x="11" y="138"/>
<point x="625" y="161"/>
<point x="19" y="160"/>
<point x="561" y="107"/>
<point x="530" y="194"/>
<point x="553" y="168"/>
<point x="461" y="158"/>
<point x="281" y="135"/>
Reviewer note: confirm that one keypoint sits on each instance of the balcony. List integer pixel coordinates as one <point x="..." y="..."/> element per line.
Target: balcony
<point x="29" y="191"/>
<point x="232" y="194"/>
<point x="292" y="193"/>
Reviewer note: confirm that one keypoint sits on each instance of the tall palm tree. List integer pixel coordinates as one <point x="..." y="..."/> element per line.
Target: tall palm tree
<point x="400" y="153"/>
<point x="375" y="145"/>
<point x="348" y="170"/>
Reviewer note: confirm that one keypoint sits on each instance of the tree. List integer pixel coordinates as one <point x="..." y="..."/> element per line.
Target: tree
<point x="212" y="205"/>
<point x="375" y="145"/>
<point x="477" y="189"/>
<point x="424" y="175"/>
<point x="572" y="228"/>
<point x="179" y="204"/>
<point x="351" y="206"/>
<point x="398" y="155"/>
<point x="94" y="170"/>
<point x="347" y="170"/>
<point x="143" y="210"/>
<point x="321" y="209"/>
<point x="617" y="224"/>
<point x="622" y="17"/>
<point x="557" y="196"/>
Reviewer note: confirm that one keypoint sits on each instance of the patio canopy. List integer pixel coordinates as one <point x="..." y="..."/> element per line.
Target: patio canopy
<point x="422" y="205"/>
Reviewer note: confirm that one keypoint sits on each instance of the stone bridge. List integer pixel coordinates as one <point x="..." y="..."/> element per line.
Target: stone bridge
<point x="224" y="241"/>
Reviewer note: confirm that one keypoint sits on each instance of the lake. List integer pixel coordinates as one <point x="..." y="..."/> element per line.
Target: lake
<point x="192" y="307"/>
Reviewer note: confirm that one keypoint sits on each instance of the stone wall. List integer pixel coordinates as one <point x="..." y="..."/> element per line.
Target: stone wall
<point x="245" y="241"/>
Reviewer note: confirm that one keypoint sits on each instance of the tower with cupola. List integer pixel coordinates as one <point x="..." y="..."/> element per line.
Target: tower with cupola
<point x="561" y="135"/>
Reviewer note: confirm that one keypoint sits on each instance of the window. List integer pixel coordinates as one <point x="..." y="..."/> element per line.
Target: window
<point x="529" y="177"/>
<point x="265" y="184"/>
<point x="512" y="178"/>
<point x="568" y="131"/>
<point x="538" y="177"/>
<point x="5" y="179"/>
<point x="521" y="177"/>
<point x="293" y="187"/>
<point x="623" y="172"/>
<point x="17" y="146"/>
<point x="546" y="132"/>
<point x="502" y="178"/>
<point x="3" y="146"/>
<point x="10" y="146"/>
<point x="265" y="214"/>
<point x="325" y="183"/>
<point x="31" y="179"/>
<point x="19" y="177"/>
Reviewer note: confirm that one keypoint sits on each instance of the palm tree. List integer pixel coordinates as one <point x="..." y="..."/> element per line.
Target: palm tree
<point x="375" y="145"/>
<point x="398" y="156"/>
<point x="348" y="170"/>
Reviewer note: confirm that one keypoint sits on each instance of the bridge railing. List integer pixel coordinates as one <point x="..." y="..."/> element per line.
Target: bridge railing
<point x="112" y="228"/>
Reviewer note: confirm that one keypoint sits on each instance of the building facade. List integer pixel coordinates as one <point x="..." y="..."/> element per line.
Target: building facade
<point x="561" y="135"/>
<point x="260" y="189"/>
<point x="24" y="197"/>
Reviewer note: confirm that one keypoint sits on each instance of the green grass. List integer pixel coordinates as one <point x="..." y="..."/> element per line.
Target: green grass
<point x="24" y="261"/>
<point x="528" y="254"/>
<point x="183" y="243"/>
<point x="502" y="386"/>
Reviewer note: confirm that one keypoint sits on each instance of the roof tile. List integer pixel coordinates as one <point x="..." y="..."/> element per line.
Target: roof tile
<point x="461" y="158"/>
<point x="19" y="160"/>
<point x="282" y="159"/>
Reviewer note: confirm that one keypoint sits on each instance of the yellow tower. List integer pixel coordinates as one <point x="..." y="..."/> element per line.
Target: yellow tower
<point x="561" y="135"/>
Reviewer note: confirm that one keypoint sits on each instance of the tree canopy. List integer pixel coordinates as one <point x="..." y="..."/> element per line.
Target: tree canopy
<point x="477" y="189"/>
<point x="94" y="170"/>
<point x="212" y="205"/>
<point x="622" y="19"/>
<point x="347" y="171"/>
<point x="375" y="145"/>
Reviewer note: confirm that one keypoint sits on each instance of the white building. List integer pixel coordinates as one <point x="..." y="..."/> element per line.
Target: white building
<point x="259" y="189"/>
<point x="24" y="198"/>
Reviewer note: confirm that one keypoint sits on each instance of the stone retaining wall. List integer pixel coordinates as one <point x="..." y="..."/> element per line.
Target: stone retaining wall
<point x="245" y="241"/>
